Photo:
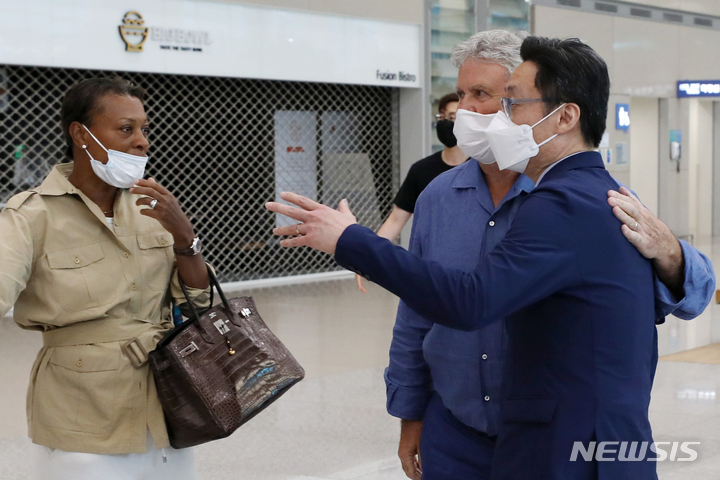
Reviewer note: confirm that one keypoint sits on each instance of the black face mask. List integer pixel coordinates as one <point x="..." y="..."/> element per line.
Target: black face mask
<point x="445" y="133"/>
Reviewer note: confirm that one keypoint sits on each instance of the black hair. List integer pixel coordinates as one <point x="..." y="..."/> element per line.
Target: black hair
<point x="569" y="71"/>
<point x="449" y="98"/>
<point x="82" y="102"/>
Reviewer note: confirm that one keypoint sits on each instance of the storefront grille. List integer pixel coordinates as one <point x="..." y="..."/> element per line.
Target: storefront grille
<point x="222" y="146"/>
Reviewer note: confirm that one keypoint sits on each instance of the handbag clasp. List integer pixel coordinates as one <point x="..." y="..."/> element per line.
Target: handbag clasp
<point x="188" y="350"/>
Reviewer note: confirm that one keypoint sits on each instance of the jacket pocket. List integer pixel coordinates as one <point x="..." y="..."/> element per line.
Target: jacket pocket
<point x="79" y="278"/>
<point x="74" y="258"/>
<point x="157" y="259"/>
<point x="529" y="409"/>
<point x="80" y="389"/>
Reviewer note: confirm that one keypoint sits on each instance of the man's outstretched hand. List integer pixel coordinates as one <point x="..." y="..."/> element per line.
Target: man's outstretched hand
<point x="320" y="227"/>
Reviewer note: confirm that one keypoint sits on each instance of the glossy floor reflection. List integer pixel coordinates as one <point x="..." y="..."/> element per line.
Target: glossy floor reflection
<point x="333" y="425"/>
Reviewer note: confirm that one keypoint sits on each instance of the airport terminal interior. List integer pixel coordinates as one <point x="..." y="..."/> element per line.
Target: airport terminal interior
<point x="337" y="99"/>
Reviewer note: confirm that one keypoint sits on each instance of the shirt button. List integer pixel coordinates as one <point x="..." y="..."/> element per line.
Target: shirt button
<point x="163" y="241"/>
<point x="79" y="363"/>
<point x="487" y="398"/>
<point x="77" y="260"/>
<point x="484" y="356"/>
<point x="134" y="287"/>
<point x="492" y="223"/>
<point x="126" y="255"/>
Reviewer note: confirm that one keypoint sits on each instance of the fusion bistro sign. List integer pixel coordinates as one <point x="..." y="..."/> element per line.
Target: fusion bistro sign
<point x="392" y="76"/>
<point x="134" y="33"/>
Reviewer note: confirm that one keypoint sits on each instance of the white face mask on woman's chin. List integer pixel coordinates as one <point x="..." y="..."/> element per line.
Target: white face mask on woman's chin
<point x="122" y="170"/>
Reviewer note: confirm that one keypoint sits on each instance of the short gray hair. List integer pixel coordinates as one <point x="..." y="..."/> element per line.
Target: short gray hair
<point x="494" y="46"/>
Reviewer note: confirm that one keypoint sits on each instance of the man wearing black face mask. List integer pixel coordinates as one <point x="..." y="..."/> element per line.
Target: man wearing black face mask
<point x="423" y="172"/>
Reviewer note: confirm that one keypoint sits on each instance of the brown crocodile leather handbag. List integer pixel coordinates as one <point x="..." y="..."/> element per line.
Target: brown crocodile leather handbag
<point x="216" y="371"/>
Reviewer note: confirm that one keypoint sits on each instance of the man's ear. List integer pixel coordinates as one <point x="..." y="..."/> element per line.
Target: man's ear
<point x="569" y="118"/>
<point x="79" y="135"/>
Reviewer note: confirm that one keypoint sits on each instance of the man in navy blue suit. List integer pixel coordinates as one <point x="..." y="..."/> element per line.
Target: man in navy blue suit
<point x="578" y="299"/>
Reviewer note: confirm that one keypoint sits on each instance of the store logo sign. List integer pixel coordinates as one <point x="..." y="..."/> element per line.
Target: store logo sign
<point x="133" y="32"/>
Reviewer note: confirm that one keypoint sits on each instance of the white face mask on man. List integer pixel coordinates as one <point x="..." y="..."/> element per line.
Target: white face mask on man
<point x="469" y="129"/>
<point x="495" y="138"/>
<point x="122" y="170"/>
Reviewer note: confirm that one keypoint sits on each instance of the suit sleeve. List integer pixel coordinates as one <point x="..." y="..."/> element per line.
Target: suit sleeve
<point x="699" y="287"/>
<point x="16" y="257"/>
<point x="407" y="378"/>
<point x="536" y="259"/>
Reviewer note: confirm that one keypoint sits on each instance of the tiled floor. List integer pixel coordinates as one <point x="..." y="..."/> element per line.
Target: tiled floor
<point x="333" y="425"/>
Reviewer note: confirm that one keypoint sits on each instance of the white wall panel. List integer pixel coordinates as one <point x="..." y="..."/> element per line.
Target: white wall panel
<point x="595" y="30"/>
<point x="394" y="10"/>
<point x="700" y="162"/>
<point x="247" y="42"/>
<point x="708" y="7"/>
<point x="646" y="57"/>
<point x="644" y="143"/>
<point x="700" y="55"/>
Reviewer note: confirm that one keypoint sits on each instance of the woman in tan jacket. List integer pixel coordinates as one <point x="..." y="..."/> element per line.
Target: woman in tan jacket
<point x="91" y="259"/>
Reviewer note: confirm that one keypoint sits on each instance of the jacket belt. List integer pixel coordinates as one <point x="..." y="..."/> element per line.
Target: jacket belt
<point x="138" y="337"/>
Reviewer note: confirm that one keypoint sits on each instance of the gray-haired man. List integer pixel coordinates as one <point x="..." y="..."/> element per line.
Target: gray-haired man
<point x="445" y="383"/>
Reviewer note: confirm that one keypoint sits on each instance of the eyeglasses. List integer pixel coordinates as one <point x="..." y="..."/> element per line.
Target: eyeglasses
<point x="450" y="116"/>
<point x="507" y="103"/>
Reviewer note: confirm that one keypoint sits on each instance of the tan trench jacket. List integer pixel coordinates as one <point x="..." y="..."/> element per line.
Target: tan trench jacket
<point x="88" y="289"/>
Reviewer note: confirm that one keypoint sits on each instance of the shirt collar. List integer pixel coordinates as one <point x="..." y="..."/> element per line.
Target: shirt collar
<point x="469" y="175"/>
<point x="550" y="167"/>
<point x="57" y="183"/>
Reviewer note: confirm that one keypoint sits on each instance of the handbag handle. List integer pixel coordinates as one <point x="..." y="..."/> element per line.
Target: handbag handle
<point x="214" y="284"/>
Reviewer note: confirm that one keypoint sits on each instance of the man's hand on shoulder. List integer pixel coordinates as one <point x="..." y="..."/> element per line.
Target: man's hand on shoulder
<point x="320" y="226"/>
<point x="653" y="239"/>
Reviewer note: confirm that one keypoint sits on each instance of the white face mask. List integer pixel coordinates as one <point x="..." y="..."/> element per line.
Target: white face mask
<point x="470" y="130"/>
<point x="122" y="170"/>
<point x="514" y="145"/>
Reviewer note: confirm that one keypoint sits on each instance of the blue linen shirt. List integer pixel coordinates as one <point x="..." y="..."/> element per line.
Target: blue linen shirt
<point x="465" y="368"/>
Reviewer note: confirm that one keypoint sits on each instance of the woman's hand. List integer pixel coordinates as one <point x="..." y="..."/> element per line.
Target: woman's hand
<point x="166" y="210"/>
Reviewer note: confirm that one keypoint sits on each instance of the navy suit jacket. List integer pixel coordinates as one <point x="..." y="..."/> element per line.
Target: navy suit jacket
<point x="578" y="303"/>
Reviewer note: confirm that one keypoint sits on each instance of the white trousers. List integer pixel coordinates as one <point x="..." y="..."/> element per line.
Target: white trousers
<point x="154" y="464"/>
